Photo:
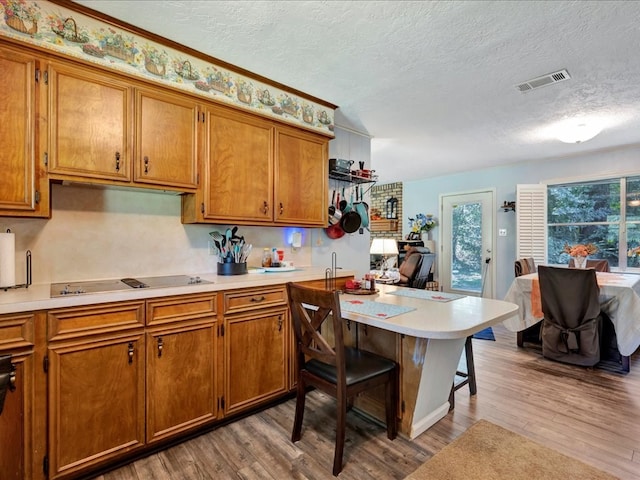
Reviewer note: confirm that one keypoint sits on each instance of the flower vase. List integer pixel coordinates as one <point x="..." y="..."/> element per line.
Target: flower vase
<point x="580" y="262"/>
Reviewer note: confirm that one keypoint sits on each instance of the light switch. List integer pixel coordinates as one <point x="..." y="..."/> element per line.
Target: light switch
<point x="502" y="232"/>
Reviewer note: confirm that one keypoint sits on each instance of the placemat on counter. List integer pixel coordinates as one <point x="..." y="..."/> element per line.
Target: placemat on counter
<point x="373" y="309"/>
<point x="426" y="295"/>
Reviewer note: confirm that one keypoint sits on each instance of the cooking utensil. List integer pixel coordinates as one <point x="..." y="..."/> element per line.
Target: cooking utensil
<point x="334" y="213"/>
<point x="350" y="221"/>
<point x="343" y="202"/>
<point x="362" y="208"/>
<point x="334" y="231"/>
<point x="332" y="206"/>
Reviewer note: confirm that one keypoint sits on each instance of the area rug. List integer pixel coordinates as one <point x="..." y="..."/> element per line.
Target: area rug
<point x="486" y="334"/>
<point x="489" y="452"/>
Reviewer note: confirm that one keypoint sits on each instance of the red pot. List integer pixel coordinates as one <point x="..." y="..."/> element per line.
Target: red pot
<point x="334" y="231"/>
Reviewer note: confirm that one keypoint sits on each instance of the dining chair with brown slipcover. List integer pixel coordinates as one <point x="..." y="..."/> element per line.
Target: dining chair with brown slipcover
<point x="525" y="266"/>
<point x="597" y="265"/>
<point x="339" y="371"/>
<point x="572" y="318"/>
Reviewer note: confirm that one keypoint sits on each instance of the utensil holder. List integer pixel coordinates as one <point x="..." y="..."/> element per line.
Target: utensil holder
<point x="232" y="268"/>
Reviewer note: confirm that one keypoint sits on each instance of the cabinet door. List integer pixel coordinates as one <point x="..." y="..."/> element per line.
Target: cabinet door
<point x="90" y="124"/>
<point x="256" y="358"/>
<point x="301" y="178"/>
<point x="16" y="423"/>
<point x="166" y="139"/>
<point x="181" y="379"/>
<point x="238" y="183"/>
<point x="96" y="401"/>
<point x="20" y="189"/>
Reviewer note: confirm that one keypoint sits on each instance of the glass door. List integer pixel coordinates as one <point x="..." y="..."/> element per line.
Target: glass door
<point x="468" y="243"/>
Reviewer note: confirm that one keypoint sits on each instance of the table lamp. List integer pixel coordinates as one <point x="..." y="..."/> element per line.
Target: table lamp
<point x="385" y="247"/>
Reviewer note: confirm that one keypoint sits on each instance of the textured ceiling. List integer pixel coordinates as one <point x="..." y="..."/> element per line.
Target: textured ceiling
<point x="433" y="83"/>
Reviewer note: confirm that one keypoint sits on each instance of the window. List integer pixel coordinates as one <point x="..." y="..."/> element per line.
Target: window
<point x="604" y="212"/>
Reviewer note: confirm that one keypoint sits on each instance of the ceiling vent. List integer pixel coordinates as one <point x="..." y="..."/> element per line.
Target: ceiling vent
<point x="543" y="81"/>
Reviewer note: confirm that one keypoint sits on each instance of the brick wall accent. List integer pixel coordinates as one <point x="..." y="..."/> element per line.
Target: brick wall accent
<point x="379" y="196"/>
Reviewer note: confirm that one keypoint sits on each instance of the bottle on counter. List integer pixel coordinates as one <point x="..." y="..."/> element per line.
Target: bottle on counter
<point x="275" y="259"/>
<point x="266" y="258"/>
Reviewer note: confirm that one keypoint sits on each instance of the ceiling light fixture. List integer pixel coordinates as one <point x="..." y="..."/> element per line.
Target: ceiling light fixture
<point x="578" y="133"/>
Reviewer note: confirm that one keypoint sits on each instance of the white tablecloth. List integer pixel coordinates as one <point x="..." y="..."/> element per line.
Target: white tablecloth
<point x="619" y="299"/>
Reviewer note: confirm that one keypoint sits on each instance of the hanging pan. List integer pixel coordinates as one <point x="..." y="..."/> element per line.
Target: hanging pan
<point x="350" y="220"/>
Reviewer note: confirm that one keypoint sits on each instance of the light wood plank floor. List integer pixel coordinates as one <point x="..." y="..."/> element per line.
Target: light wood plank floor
<point x="589" y="414"/>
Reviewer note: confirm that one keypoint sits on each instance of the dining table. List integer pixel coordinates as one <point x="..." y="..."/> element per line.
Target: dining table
<point x="619" y="300"/>
<point x="432" y="328"/>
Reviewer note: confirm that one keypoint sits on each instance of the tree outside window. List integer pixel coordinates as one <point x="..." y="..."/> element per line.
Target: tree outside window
<point x="593" y="212"/>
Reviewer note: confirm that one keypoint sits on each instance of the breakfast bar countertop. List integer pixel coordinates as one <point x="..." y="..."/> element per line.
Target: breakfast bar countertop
<point x="38" y="296"/>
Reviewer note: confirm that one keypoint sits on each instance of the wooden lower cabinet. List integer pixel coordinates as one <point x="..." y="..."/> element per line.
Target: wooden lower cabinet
<point x="21" y="420"/>
<point x="256" y="359"/>
<point x="96" y="383"/>
<point x="100" y="384"/>
<point x="182" y="378"/>
<point x="96" y="401"/>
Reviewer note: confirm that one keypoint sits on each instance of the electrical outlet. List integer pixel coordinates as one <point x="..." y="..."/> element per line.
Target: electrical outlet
<point x="296" y="240"/>
<point x="212" y="248"/>
<point x="502" y="232"/>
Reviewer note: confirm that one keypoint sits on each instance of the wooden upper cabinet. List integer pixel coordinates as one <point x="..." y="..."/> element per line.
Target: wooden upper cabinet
<point x="23" y="187"/>
<point x="238" y="167"/>
<point x="166" y="139"/>
<point x="258" y="172"/>
<point x="301" y="182"/>
<point x="90" y="124"/>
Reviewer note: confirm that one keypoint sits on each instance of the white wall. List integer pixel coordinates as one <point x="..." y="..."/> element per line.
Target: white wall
<point x="422" y="195"/>
<point x="352" y="250"/>
<point x="97" y="233"/>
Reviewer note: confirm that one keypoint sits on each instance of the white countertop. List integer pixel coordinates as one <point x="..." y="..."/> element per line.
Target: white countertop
<point x="441" y="320"/>
<point x="37" y="296"/>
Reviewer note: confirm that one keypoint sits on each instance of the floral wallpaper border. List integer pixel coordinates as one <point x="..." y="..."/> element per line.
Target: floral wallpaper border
<point x="73" y="34"/>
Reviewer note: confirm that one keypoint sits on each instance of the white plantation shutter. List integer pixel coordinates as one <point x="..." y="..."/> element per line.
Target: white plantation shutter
<point x="531" y="222"/>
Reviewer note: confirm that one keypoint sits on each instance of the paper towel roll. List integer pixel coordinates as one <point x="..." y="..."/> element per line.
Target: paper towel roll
<point x="7" y="260"/>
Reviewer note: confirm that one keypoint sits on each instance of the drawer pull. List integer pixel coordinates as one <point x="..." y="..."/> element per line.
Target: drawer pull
<point x="279" y="323"/>
<point x="258" y="299"/>
<point x="281" y="208"/>
<point x="265" y="208"/>
<point x="117" y="161"/>
<point x="146" y="164"/>
<point x="130" y="352"/>
<point x="160" y="346"/>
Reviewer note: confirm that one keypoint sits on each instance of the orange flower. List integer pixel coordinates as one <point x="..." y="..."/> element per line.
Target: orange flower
<point x="580" y="250"/>
<point x="633" y="252"/>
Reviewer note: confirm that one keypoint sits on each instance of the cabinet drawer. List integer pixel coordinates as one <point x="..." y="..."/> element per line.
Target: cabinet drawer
<point x="16" y="331"/>
<point x="241" y="300"/>
<point x="95" y="319"/>
<point x="172" y="309"/>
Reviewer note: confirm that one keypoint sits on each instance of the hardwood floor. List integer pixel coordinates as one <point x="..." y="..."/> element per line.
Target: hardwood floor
<point x="589" y="414"/>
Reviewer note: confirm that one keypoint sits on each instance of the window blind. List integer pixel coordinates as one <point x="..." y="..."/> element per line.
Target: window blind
<point x="531" y="222"/>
